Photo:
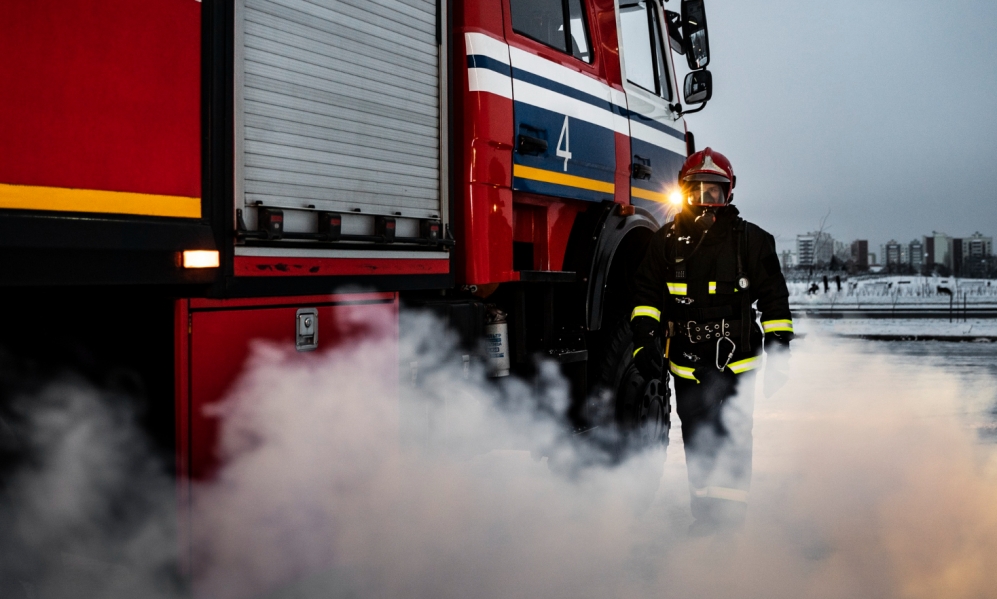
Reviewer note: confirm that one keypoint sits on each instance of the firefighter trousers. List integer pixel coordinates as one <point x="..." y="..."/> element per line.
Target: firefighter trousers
<point x="716" y="416"/>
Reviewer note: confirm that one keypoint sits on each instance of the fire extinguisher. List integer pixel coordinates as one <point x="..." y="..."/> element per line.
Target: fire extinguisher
<point x="497" y="343"/>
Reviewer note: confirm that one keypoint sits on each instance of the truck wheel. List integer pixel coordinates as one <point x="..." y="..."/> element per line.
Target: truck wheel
<point x="639" y="410"/>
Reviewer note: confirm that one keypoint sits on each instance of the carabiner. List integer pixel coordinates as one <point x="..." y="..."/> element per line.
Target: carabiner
<point x="733" y="348"/>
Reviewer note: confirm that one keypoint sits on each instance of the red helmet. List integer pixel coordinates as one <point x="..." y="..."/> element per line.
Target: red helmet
<point x="700" y="170"/>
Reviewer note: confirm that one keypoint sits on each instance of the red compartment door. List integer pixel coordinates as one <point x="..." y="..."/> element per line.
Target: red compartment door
<point x="214" y="340"/>
<point x="221" y="334"/>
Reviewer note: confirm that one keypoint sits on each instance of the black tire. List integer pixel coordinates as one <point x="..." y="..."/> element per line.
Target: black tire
<point x="634" y="414"/>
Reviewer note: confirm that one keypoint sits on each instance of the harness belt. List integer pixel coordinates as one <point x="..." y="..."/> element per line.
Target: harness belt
<point x="699" y="332"/>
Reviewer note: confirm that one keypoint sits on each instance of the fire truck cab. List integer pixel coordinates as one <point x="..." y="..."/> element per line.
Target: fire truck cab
<point x="179" y="178"/>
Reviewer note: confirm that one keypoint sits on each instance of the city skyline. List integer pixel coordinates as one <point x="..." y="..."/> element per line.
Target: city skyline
<point x="936" y="252"/>
<point x="789" y="242"/>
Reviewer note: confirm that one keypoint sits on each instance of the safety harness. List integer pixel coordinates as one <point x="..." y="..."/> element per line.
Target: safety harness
<point x="716" y="324"/>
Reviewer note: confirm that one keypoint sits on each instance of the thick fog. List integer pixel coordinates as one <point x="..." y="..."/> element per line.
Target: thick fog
<point x="867" y="483"/>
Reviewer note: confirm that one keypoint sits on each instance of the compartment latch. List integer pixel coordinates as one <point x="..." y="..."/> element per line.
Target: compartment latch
<point x="306" y="325"/>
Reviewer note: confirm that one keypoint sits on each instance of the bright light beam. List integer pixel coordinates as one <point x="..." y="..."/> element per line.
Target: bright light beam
<point x="675" y="198"/>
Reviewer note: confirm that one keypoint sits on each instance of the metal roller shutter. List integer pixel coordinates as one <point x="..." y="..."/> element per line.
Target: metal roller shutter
<point x="338" y="106"/>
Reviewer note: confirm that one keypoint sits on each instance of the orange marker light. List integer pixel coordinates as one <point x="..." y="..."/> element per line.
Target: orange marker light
<point x="675" y="198"/>
<point x="200" y="259"/>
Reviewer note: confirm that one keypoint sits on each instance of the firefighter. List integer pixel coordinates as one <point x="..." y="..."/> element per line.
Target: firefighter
<point x="695" y="289"/>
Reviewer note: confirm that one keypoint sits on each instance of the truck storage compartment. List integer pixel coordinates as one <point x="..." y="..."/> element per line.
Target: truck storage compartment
<point x="216" y="341"/>
<point x="339" y="125"/>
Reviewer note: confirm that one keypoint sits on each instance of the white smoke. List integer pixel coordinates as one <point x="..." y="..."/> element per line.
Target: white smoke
<point x="868" y="481"/>
<point x="86" y="509"/>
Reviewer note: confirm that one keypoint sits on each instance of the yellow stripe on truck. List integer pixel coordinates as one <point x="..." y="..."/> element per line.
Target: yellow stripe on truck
<point x="644" y="194"/>
<point x="63" y="199"/>
<point x="545" y="176"/>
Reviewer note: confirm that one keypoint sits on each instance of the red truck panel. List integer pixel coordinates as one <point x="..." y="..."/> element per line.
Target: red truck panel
<point x="547" y="224"/>
<point x="214" y="339"/>
<point x="488" y="216"/>
<point x="484" y="122"/>
<point x="295" y="267"/>
<point x="218" y="337"/>
<point x="101" y="96"/>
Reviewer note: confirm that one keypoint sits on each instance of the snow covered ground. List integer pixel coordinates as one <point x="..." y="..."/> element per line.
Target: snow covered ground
<point x="970" y="329"/>
<point x="894" y="290"/>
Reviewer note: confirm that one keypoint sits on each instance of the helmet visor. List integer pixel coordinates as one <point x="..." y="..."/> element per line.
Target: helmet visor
<point x="705" y="193"/>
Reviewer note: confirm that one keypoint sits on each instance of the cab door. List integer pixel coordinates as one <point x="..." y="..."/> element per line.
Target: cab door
<point x="657" y="132"/>
<point x="564" y="111"/>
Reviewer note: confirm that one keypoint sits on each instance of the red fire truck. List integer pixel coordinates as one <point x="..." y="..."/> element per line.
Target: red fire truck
<point x="179" y="178"/>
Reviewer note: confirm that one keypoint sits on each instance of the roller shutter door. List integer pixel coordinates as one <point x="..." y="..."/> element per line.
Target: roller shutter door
<point x="338" y="105"/>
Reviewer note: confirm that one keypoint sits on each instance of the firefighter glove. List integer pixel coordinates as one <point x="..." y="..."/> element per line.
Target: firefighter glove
<point x="645" y="322"/>
<point x="649" y="361"/>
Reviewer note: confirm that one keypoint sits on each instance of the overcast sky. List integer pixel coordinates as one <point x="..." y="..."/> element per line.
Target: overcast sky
<point x="882" y="113"/>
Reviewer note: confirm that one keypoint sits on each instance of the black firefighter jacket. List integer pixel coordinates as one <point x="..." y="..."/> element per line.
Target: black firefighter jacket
<point x="695" y="289"/>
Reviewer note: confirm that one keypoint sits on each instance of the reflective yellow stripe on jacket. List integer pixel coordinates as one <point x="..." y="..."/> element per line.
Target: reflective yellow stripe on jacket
<point x="678" y="288"/>
<point x="713" y="288"/>
<point x="648" y="311"/>
<point x="739" y="367"/>
<point x="685" y="372"/>
<point x="771" y="326"/>
<point x="721" y="493"/>
<point x="745" y="365"/>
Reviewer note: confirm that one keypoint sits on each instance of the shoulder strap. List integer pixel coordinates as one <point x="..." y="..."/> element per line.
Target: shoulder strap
<point x="741" y="242"/>
<point x="680" y="259"/>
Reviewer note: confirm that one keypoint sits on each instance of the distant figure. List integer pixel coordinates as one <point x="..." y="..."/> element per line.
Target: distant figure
<point x="944" y="291"/>
<point x="813" y="289"/>
<point x="826" y="286"/>
<point x="837" y="281"/>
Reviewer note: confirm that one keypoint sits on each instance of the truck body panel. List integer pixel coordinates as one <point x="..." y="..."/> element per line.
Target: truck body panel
<point x="101" y="107"/>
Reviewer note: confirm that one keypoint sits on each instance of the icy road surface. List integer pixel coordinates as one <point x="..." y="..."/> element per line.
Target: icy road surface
<point x="971" y="328"/>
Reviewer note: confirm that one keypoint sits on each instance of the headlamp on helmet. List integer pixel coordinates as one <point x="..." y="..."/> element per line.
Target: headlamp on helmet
<point x="707" y="179"/>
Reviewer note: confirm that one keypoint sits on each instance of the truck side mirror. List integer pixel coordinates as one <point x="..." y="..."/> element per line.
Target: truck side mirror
<point x="695" y="35"/>
<point x="698" y="87"/>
